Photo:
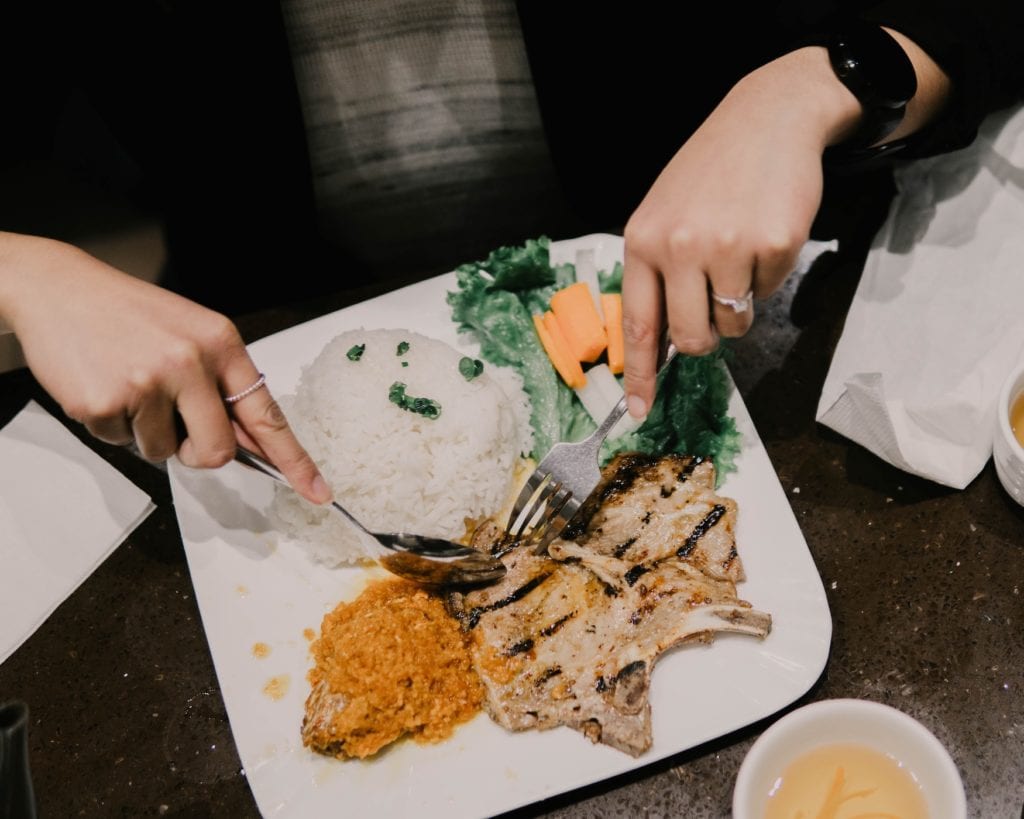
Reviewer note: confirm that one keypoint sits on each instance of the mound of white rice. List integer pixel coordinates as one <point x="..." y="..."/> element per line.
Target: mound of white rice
<point x="396" y="469"/>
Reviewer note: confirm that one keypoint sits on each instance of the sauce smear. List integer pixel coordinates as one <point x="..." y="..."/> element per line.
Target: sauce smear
<point x="843" y="782"/>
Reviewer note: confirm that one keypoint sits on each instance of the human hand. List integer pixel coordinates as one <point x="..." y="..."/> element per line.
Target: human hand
<point x="127" y="359"/>
<point x="729" y="213"/>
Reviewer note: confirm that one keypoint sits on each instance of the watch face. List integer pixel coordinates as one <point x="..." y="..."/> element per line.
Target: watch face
<point x="869" y="61"/>
<point x="873" y="66"/>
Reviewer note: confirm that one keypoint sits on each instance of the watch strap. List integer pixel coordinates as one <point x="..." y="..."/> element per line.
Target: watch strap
<point x="874" y="67"/>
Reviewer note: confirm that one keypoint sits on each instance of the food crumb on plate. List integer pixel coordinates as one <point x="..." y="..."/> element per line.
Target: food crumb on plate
<point x="260" y="650"/>
<point x="277" y="687"/>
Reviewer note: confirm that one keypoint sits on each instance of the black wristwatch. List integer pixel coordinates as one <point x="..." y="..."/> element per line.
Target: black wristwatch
<point x="869" y="62"/>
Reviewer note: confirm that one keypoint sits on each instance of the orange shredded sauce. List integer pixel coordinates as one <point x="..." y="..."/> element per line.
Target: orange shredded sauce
<point x="400" y="665"/>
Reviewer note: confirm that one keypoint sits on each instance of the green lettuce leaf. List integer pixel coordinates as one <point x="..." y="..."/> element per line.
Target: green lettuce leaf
<point x="495" y="300"/>
<point x="504" y="327"/>
<point x="690" y="415"/>
<point x="519" y="268"/>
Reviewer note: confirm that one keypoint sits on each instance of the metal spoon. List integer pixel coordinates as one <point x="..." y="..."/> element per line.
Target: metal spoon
<point x="427" y="560"/>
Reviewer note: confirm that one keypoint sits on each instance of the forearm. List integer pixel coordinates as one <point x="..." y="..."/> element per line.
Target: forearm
<point x="829" y="113"/>
<point x="16" y="253"/>
<point x="7" y="267"/>
<point x="933" y="89"/>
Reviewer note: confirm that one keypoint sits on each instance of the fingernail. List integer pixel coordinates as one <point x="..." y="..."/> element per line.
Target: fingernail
<point x="321" y="491"/>
<point x="636" y="406"/>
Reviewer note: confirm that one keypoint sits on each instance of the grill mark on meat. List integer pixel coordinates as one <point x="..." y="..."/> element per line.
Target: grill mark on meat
<point x="629" y="468"/>
<point x="547" y="631"/>
<point x="634" y="574"/>
<point x="519" y="648"/>
<point x="684" y="473"/>
<point x="622" y="548"/>
<point x="526" y="645"/>
<point x="701" y="529"/>
<point x="504" y="546"/>
<point x="628" y="686"/>
<point x="575" y="528"/>
<point x="546" y="675"/>
<point x="471" y="618"/>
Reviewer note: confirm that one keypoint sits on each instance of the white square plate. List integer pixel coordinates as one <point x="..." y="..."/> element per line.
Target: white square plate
<point x="253" y="586"/>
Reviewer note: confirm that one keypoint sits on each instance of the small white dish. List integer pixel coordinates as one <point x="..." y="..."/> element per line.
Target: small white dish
<point x="850" y="722"/>
<point x="1007" y="452"/>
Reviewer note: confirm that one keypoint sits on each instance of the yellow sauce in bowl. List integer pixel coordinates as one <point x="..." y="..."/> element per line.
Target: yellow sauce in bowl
<point x="1017" y="418"/>
<point x="845" y="782"/>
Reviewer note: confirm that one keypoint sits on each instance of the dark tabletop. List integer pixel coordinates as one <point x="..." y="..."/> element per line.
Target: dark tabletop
<point x="924" y="585"/>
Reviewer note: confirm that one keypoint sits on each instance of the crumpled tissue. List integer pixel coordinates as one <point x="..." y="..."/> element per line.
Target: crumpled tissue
<point x="937" y="321"/>
<point x="63" y="511"/>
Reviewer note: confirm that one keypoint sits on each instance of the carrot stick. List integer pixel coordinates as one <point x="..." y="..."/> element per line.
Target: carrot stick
<point x="581" y="325"/>
<point x="611" y="304"/>
<point x="567" y="366"/>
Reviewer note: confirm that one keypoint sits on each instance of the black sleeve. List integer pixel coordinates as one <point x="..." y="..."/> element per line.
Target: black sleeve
<point x="980" y="46"/>
<point x="621" y="88"/>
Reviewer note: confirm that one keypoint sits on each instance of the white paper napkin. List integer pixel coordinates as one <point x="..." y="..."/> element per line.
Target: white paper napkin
<point x="63" y="510"/>
<point x="938" y="318"/>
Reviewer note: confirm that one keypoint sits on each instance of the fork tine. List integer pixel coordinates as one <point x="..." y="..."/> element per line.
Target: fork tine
<point x="554" y="520"/>
<point x="538" y="502"/>
<point x="556" y="500"/>
<point x="572" y="467"/>
<point x="530" y="488"/>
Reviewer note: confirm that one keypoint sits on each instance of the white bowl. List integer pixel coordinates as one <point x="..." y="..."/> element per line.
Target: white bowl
<point x="849" y="721"/>
<point x="1006" y="450"/>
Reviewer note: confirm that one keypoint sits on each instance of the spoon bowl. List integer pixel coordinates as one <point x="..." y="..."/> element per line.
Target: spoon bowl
<point x="427" y="560"/>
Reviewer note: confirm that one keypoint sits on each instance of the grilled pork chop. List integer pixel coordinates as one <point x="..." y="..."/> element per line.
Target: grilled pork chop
<point x="571" y="638"/>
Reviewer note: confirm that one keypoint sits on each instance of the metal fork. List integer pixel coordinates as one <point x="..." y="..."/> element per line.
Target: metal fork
<point x="562" y="481"/>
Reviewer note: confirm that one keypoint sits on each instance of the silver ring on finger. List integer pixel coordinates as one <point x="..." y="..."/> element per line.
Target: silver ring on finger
<point x="738" y="304"/>
<point x="238" y="396"/>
